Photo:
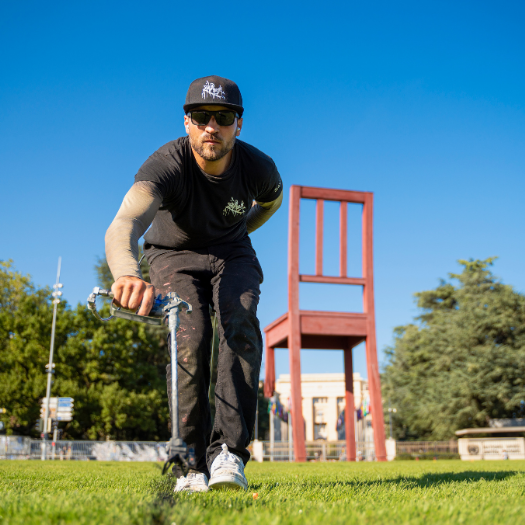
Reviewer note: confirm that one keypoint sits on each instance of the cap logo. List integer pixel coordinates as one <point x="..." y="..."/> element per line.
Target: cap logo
<point x="209" y="89"/>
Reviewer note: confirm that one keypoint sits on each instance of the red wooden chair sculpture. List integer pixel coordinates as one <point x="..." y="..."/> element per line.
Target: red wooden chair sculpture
<point x="298" y="329"/>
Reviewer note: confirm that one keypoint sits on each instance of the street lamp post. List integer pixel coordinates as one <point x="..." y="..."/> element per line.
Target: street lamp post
<point x="50" y="367"/>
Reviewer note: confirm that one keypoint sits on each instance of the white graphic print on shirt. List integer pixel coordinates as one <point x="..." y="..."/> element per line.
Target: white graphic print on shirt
<point x="234" y="208"/>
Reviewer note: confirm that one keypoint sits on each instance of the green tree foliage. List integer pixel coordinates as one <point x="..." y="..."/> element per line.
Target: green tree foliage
<point x="116" y="373"/>
<point x="463" y="363"/>
<point x="114" y="370"/>
<point x="25" y="323"/>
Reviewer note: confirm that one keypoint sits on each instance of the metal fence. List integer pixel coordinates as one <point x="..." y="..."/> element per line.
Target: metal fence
<point x="365" y="451"/>
<point x="416" y="448"/>
<point x="17" y="447"/>
<point x="104" y="450"/>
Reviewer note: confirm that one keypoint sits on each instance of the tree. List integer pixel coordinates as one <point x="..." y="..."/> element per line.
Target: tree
<point x="463" y="361"/>
<point x="25" y="323"/>
<point x="114" y="370"/>
<point x="116" y="373"/>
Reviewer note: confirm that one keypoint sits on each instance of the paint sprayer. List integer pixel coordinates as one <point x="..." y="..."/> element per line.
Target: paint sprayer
<point x="168" y="307"/>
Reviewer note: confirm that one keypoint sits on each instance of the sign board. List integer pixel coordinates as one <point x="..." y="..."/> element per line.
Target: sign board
<point x="491" y="448"/>
<point x="53" y="401"/>
<point x="60" y="408"/>
<point x="65" y="402"/>
<point x="60" y="401"/>
<point x="52" y="412"/>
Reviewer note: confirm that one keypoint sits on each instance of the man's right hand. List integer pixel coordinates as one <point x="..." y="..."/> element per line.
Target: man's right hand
<point x="131" y="292"/>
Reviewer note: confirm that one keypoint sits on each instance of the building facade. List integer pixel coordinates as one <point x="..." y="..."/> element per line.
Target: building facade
<point x="323" y="401"/>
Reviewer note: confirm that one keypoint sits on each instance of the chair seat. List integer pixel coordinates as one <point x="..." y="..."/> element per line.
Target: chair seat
<point x="320" y="330"/>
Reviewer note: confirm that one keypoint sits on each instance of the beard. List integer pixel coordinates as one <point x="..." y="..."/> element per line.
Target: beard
<point x="211" y="152"/>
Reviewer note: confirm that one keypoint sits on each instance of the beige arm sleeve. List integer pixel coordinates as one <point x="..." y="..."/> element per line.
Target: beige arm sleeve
<point x="261" y="212"/>
<point x="134" y="217"/>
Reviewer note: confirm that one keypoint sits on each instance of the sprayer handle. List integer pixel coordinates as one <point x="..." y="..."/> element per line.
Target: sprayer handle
<point x="92" y="301"/>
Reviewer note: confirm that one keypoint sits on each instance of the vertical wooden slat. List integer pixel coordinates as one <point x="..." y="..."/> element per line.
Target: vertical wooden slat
<point x="343" y="239"/>
<point x="374" y="384"/>
<point x="319" y="216"/>
<point x="294" y="335"/>
<point x="349" y="406"/>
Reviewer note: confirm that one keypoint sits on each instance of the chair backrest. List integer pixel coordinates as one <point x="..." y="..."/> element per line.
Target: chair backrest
<point x="320" y="195"/>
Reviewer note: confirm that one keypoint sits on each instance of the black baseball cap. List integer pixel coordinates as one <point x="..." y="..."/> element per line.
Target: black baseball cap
<point x="214" y="91"/>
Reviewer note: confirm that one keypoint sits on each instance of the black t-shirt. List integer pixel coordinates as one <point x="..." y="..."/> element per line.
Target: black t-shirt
<point x="200" y="210"/>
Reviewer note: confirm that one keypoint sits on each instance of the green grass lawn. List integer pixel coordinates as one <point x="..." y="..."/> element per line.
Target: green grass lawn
<point x="483" y="492"/>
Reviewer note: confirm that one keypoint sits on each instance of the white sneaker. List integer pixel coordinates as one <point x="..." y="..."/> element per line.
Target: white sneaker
<point x="193" y="482"/>
<point x="227" y="471"/>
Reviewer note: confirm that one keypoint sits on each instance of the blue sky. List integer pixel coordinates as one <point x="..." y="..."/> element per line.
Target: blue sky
<point x="421" y="103"/>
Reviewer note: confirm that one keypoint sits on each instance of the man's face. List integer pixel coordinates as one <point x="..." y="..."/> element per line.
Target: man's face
<point x="212" y="142"/>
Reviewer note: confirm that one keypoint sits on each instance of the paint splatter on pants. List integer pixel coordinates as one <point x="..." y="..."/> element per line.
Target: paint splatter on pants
<point x="227" y="277"/>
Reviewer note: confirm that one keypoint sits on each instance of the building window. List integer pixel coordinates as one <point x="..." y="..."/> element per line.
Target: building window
<point x="320" y="406"/>
<point x="320" y="409"/>
<point x="320" y="431"/>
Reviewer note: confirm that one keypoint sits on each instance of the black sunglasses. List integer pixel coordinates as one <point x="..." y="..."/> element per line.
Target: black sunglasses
<point x="223" y="118"/>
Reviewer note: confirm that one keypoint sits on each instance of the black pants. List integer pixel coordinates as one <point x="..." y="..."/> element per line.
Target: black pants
<point x="227" y="277"/>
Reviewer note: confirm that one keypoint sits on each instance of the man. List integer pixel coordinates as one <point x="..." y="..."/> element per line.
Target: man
<point x="202" y="195"/>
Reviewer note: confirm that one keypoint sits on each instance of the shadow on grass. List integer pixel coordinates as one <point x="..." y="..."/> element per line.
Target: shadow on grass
<point x="163" y="487"/>
<point x="157" y="511"/>
<point x="425" y="481"/>
<point x="455" y="477"/>
<point x="165" y="500"/>
<point x="443" y="478"/>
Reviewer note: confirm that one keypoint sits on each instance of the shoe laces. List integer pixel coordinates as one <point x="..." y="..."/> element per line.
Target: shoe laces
<point x="226" y="458"/>
<point x="196" y="479"/>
